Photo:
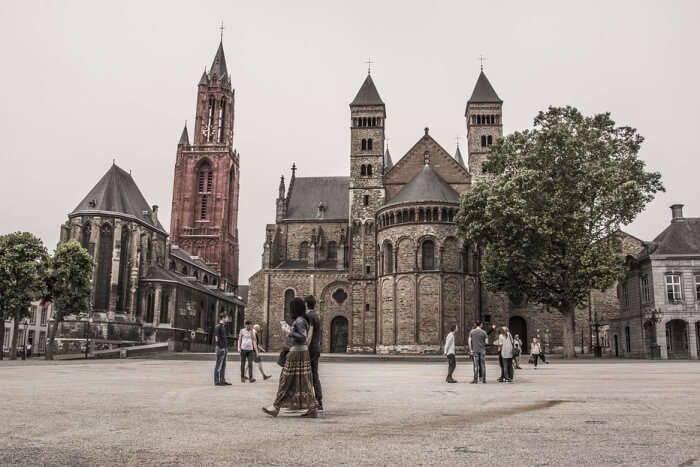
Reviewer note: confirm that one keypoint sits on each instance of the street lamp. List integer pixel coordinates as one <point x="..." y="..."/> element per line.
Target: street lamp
<point x="87" y="336"/>
<point x="26" y="332"/>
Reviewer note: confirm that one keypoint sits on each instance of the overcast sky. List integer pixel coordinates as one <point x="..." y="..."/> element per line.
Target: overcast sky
<point x="86" y="82"/>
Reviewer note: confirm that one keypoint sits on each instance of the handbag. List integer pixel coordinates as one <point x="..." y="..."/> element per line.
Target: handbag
<point x="283" y="357"/>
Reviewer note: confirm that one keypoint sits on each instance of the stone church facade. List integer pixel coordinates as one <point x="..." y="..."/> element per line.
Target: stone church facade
<point x="149" y="285"/>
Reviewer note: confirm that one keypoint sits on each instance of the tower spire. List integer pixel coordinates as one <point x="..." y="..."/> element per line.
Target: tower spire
<point x="221" y="29"/>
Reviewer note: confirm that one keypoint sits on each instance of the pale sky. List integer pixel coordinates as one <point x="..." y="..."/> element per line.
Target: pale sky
<point x="84" y="82"/>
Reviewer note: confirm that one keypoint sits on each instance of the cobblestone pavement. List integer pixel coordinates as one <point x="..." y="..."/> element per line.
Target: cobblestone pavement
<point x="168" y="412"/>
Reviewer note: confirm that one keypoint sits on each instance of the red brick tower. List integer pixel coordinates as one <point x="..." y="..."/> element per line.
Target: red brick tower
<point x="205" y="192"/>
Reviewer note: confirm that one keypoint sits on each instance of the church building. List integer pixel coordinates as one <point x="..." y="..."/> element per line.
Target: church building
<point x="151" y="286"/>
<point x="379" y="249"/>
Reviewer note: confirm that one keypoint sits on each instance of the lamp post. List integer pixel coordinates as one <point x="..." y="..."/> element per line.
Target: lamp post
<point x="597" y="353"/>
<point x="654" y="349"/>
<point x="26" y="332"/>
<point x="87" y="336"/>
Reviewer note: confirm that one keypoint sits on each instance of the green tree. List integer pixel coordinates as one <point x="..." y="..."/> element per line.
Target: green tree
<point x="23" y="261"/>
<point x="548" y="217"/>
<point x="68" y="285"/>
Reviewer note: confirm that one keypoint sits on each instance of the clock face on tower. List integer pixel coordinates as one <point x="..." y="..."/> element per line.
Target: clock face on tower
<point x="207" y="131"/>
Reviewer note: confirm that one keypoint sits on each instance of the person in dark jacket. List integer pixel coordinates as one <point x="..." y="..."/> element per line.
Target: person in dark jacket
<point x="314" y="342"/>
<point x="296" y="390"/>
<point x="221" y="352"/>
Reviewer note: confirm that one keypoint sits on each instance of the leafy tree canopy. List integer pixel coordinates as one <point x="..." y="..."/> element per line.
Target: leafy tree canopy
<point x="23" y="261"/>
<point x="548" y="217"/>
<point x="68" y="280"/>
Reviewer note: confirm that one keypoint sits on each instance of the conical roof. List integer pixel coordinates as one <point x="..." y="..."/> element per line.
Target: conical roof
<point x="184" y="138"/>
<point x="204" y="80"/>
<point x="483" y="91"/>
<point x="218" y="66"/>
<point x="117" y="193"/>
<point x="388" y="163"/>
<point x="368" y="94"/>
<point x="459" y="158"/>
<point x="427" y="186"/>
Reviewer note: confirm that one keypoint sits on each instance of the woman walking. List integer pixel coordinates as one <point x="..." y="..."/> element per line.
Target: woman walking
<point x="296" y="390"/>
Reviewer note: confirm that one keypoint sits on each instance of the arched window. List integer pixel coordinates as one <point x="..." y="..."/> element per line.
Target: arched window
<point x="304" y="251"/>
<point x="205" y="178"/>
<point x="196" y="275"/>
<point x="399" y="217"/>
<point x="465" y="259"/>
<point x="374" y="121"/>
<point x="206" y="279"/>
<point x="150" y="303"/>
<point x="369" y="144"/>
<point x="288" y="297"/>
<point x="490" y="140"/>
<point x="483" y="141"/>
<point x="164" y="302"/>
<point x="364" y="145"/>
<point x="428" y="255"/>
<point x="354" y="122"/>
<point x="85" y="239"/>
<point x="222" y="111"/>
<point x="365" y="200"/>
<point x="388" y="258"/>
<point x="364" y="121"/>
<point x="173" y="266"/>
<point x="332" y="251"/>
<point x="363" y="170"/>
<point x="123" y="279"/>
<point x="104" y="268"/>
<point x="369" y="166"/>
<point x="184" y="270"/>
<point x="209" y="130"/>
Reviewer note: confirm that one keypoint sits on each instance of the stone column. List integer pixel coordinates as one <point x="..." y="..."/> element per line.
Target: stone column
<point x="692" y="340"/>
<point x="660" y="338"/>
<point x="96" y="232"/>
<point x="133" y="270"/>
<point x="156" y="305"/>
<point x="172" y="306"/>
<point x="116" y="256"/>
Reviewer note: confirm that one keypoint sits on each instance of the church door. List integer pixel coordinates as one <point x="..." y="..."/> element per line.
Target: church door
<point x="339" y="335"/>
<point x="517" y="325"/>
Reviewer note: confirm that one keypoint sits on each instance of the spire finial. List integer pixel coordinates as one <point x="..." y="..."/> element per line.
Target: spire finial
<point x="481" y="61"/>
<point x="457" y="141"/>
<point x="221" y="29"/>
<point x="114" y="161"/>
<point x="294" y="169"/>
<point x="369" y="65"/>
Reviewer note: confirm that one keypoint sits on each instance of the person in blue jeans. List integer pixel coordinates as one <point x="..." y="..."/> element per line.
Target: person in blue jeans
<point x="247" y="348"/>
<point x="478" y="339"/>
<point x="221" y="352"/>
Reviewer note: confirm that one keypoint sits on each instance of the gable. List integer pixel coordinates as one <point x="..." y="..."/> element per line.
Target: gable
<point x="412" y="163"/>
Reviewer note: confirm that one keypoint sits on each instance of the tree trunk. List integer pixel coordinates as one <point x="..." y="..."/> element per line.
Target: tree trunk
<point x="13" y="346"/>
<point x="52" y="338"/>
<point x="569" y="313"/>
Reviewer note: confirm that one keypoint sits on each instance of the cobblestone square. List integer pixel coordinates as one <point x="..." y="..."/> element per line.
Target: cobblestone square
<point x="399" y="413"/>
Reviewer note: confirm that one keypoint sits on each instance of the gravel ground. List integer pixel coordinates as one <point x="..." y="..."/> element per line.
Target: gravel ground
<point x="153" y="412"/>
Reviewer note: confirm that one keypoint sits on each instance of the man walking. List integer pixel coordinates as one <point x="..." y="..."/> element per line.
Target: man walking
<point x="247" y="348"/>
<point x="450" y="353"/>
<point x="221" y="352"/>
<point x="477" y="347"/>
<point x="314" y="342"/>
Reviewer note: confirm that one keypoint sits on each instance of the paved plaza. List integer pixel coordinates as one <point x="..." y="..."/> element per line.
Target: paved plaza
<point x="385" y="413"/>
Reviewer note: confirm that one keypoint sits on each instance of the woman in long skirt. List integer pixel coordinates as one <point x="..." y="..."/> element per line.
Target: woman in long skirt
<point x="296" y="390"/>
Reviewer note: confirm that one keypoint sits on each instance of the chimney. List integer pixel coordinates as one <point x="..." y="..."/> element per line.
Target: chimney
<point x="154" y="214"/>
<point x="676" y="212"/>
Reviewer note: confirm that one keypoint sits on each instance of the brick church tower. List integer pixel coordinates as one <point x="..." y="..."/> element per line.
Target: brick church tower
<point x="205" y="191"/>
<point x="484" y="124"/>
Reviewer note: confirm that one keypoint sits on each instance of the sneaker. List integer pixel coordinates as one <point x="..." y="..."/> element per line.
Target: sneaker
<point x="225" y="383"/>
<point x="310" y="414"/>
<point x="266" y="377"/>
<point x="243" y="380"/>
<point x="474" y="382"/>
<point x="500" y="380"/>
<point x="319" y="406"/>
<point x="252" y="380"/>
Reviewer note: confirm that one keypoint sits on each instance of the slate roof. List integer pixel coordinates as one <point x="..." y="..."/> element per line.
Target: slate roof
<point x="388" y="163"/>
<point x="307" y="192"/>
<point x="117" y="193"/>
<point x="181" y="254"/>
<point x="682" y="237"/>
<point x="158" y="273"/>
<point x="483" y="91"/>
<point x="459" y="158"/>
<point x="218" y="67"/>
<point x="368" y="94"/>
<point x="427" y="186"/>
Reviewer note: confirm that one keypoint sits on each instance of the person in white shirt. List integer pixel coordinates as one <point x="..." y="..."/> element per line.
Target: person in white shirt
<point x="450" y="353"/>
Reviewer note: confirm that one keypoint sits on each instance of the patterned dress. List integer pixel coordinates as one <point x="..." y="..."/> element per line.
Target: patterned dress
<point x="296" y="389"/>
